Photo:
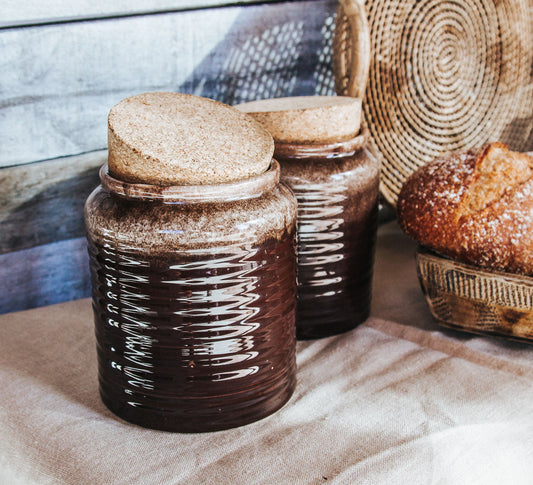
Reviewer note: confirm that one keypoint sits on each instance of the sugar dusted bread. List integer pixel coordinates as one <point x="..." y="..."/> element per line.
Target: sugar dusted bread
<point x="475" y="207"/>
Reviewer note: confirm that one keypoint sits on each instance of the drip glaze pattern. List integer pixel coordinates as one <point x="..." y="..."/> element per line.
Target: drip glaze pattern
<point x="186" y="343"/>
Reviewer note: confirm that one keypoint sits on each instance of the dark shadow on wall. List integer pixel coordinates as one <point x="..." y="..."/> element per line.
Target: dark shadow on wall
<point x="52" y="214"/>
<point x="270" y="52"/>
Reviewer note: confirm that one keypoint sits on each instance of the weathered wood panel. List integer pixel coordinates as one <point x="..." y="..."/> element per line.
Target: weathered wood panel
<point x="44" y="275"/>
<point x="57" y="82"/>
<point x="17" y="12"/>
<point x="43" y="202"/>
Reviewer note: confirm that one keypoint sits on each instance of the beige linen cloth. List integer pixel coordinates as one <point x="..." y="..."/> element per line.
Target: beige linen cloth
<point x="396" y="401"/>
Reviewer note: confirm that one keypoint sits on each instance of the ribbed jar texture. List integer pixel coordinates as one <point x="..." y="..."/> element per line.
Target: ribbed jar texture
<point x="194" y="304"/>
<point x="337" y="190"/>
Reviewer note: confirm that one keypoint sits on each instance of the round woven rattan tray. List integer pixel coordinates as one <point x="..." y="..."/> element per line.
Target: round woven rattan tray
<point x="443" y="75"/>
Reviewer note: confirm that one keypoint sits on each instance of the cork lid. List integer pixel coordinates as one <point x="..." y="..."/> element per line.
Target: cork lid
<point x="307" y="119"/>
<point x="179" y="139"/>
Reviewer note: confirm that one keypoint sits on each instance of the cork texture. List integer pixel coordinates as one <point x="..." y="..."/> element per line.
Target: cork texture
<point x="180" y="139"/>
<point x="307" y="119"/>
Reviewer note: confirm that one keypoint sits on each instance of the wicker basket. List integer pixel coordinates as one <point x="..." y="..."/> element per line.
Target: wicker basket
<point x="468" y="298"/>
<point x="443" y="75"/>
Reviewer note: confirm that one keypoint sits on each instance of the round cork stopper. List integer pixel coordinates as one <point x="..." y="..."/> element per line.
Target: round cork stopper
<point x="181" y="139"/>
<point x="307" y="119"/>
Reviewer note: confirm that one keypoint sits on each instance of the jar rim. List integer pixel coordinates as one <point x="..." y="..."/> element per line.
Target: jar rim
<point x="339" y="149"/>
<point x="247" y="188"/>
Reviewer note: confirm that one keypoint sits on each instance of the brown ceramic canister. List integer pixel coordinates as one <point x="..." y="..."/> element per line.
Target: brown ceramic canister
<point x="334" y="171"/>
<point x="194" y="281"/>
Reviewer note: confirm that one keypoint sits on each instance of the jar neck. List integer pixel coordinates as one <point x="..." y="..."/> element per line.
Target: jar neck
<point x="226" y="192"/>
<point x="346" y="148"/>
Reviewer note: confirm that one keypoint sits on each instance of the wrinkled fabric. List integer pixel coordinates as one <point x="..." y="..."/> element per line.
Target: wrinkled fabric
<point x="397" y="400"/>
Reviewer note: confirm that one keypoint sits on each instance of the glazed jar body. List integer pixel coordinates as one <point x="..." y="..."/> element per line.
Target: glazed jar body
<point x="337" y="187"/>
<point x="194" y="301"/>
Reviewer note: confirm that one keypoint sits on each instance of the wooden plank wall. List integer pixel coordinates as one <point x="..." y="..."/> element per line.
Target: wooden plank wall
<point x="18" y="13"/>
<point x="61" y="69"/>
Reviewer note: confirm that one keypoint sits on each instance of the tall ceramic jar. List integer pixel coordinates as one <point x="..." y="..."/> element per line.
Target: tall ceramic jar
<point x="191" y="242"/>
<point x="334" y="172"/>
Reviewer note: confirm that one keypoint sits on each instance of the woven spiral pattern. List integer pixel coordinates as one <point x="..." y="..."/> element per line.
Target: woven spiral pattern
<point x="446" y="75"/>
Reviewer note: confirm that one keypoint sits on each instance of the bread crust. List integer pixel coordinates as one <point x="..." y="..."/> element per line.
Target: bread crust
<point x="474" y="206"/>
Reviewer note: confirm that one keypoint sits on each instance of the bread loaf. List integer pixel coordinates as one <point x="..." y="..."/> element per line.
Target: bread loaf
<point x="475" y="207"/>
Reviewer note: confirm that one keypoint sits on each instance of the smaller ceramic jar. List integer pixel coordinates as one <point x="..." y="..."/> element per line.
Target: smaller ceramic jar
<point x="334" y="172"/>
<point x="194" y="284"/>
